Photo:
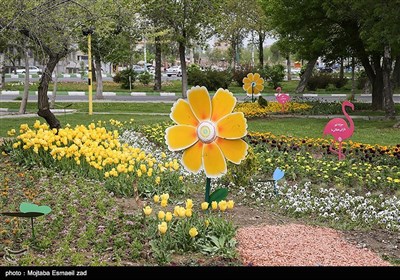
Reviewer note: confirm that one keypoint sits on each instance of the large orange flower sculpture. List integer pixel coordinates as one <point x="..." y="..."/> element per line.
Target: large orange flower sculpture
<point x="207" y="131"/>
<point x="253" y="83"/>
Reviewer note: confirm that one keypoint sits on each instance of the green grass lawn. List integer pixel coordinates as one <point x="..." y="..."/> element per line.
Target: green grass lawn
<point x="366" y="131"/>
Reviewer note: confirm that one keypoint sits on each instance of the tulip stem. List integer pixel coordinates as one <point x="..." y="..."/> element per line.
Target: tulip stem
<point x="208" y="187"/>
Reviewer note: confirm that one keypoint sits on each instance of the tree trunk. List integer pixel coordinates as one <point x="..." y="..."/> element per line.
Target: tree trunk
<point x="390" y="112"/>
<point x="3" y="72"/>
<point x="341" y="73"/>
<point x="377" y="84"/>
<point x="99" y="77"/>
<point x="353" y="80"/>
<point x="25" y="95"/>
<point x="306" y="75"/>
<point x="157" y="78"/>
<point x="183" y="68"/>
<point x="43" y="100"/>
<point x="289" y="68"/>
<point x="261" y="39"/>
<point x="53" y="97"/>
<point x="396" y="73"/>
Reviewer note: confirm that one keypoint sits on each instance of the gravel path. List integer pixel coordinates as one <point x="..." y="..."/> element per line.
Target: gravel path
<point x="300" y="245"/>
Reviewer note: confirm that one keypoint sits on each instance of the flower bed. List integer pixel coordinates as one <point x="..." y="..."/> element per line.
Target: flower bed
<point x="254" y="110"/>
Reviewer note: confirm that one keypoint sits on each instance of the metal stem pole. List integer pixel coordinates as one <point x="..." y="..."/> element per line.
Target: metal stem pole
<point x="208" y="187"/>
<point x="33" y="232"/>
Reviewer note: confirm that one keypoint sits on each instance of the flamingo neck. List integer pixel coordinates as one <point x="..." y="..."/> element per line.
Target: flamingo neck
<point x="348" y="117"/>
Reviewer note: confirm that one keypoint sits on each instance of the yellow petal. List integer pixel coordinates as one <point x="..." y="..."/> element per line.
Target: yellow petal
<point x="179" y="137"/>
<point x="232" y="126"/>
<point x="250" y="76"/>
<point x="247" y="88"/>
<point x="234" y="150"/>
<point x="200" y="102"/>
<point x="258" y="88"/>
<point x="256" y="76"/>
<point x="181" y="113"/>
<point x="246" y="80"/>
<point x="191" y="158"/>
<point x="223" y="103"/>
<point x="213" y="161"/>
<point x="260" y="81"/>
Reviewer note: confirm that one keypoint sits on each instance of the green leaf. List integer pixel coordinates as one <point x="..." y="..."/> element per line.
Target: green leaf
<point x="218" y="195"/>
<point x="26" y="207"/>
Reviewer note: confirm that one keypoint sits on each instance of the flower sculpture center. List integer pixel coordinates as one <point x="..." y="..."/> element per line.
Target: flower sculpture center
<point x="206" y="132"/>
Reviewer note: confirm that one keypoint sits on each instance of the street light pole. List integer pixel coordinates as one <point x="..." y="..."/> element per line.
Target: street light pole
<point x="90" y="73"/>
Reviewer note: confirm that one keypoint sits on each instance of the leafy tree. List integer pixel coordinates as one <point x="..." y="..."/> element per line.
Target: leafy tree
<point x="188" y="21"/>
<point x="233" y="25"/>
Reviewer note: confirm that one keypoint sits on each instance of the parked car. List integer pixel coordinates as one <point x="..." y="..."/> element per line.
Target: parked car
<point x="325" y="70"/>
<point x="174" y="70"/>
<point x="138" y="69"/>
<point x="32" y="70"/>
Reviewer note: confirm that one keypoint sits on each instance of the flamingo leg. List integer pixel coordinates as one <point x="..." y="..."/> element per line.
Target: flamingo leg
<point x="333" y="150"/>
<point x="341" y="155"/>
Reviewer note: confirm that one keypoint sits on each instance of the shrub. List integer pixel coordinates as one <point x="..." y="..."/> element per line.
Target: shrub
<point x="123" y="78"/>
<point x="211" y="79"/>
<point x="338" y="83"/>
<point x="239" y="74"/>
<point x="145" y="78"/>
<point x="274" y="75"/>
<point x="318" y="81"/>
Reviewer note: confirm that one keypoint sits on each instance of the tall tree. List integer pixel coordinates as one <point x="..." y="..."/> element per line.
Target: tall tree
<point x="233" y="25"/>
<point x="188" y="21"/>
<point x="259" y="23"/>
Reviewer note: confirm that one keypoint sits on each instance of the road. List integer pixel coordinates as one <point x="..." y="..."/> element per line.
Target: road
<point x="156" y="98"/>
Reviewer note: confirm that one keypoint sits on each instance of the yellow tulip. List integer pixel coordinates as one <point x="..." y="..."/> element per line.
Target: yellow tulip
<point x="164" y="203"/>
<point x="162" y="228"/>
<point x="156" y="198"/>
<point x="168" y="216"/>
<point x="188" y="213"/>
<point x="181" y="212"/>
<point x="161" y="215"/>
<point x="230" y="204"/>
<point x="147" y="210"/>
<point x="222" y="205"/>
<point x="214" y="205"/>
<point x="204" y="206"/>
<point x="193" y="232"/>
<point x="165" y="196"/>
<point x="189" y="204"/>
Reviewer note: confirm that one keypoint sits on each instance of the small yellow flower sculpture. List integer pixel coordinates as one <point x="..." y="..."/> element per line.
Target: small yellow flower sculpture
<point x="207" y="131"/>
<point x="253" y="83"/>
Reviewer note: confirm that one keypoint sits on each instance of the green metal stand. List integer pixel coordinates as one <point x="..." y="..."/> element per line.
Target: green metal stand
<point x="208" y="187"/>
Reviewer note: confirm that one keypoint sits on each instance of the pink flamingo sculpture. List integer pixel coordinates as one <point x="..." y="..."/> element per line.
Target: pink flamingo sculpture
<point x="338" y="128"/>
<point x="282" y="97"/>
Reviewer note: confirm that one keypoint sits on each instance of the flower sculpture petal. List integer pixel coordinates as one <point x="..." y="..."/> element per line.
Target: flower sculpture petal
<point x="253" y="83"/>
<point x="207" y="131"/>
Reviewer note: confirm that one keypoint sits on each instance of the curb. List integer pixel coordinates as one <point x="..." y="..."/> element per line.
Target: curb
<point x="107" y="93"/>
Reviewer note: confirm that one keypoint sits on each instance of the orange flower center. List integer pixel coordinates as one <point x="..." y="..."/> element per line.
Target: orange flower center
<point x="206" y="132"/>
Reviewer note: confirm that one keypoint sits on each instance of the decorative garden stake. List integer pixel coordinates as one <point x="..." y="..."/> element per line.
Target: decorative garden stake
<point x="339" y="129"/>
<point x="29" y="210"/>
<point x="253" y="84"/>
<point x="282" y="98"/>
<point x="208" y="132"/>
<point x="278" y="174"/>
